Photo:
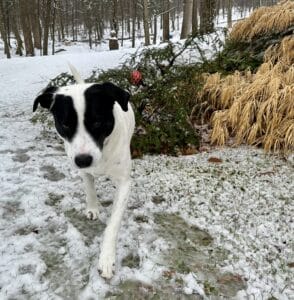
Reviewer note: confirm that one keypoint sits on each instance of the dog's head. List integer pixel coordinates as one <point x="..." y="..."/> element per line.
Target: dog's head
<point x="84" y="118"/>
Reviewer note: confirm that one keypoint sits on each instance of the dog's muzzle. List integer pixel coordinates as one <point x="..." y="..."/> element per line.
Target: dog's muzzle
<point x="83" y="160"/>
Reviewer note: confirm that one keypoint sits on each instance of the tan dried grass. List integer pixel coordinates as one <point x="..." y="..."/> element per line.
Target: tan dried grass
<point x="220" y="132"/>
<point x="283" y="51"/>
<point x="257" y="109"/>
<point x="263" y="21"/>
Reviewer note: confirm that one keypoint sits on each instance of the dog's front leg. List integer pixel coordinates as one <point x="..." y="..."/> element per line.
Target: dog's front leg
<point x="108" y="247"/>
<point x="92" y="208"/>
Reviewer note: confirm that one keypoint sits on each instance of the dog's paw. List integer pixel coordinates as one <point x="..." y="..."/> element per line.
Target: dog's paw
<point x="92" y="213"/>
<point x="106" y="265"/>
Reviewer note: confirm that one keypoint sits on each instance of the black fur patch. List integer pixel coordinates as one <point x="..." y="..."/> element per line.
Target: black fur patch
<point x="65" y="116"/>
<point x="116" y="94"/>
<point x="46" y="98"/>
<point x="98" y="119"/>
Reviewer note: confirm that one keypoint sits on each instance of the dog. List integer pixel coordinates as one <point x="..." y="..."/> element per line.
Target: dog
<point x="96" y="123"/>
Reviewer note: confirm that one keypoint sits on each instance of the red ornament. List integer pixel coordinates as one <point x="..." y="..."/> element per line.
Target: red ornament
<point x="136" y="77"/>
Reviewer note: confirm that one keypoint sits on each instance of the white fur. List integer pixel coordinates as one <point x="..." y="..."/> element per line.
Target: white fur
<point x="114" y="160"/>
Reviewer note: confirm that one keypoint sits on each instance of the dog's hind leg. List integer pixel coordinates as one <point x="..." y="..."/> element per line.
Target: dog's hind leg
<point x="108" y="248"/>
<point x="92" y="208"/>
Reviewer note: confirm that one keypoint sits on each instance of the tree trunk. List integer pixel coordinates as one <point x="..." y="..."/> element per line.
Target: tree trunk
<point x="207" y="14"/>
<point x="53" y="26"/>
<point x="73" y="21"/>
<point x="129" y="19"/>
<point x="173" y="19"/>
<point x="35" y="24"/>
<point x="195" y="17"/>
<point x="61" y="20"/>
<point x="26" y="27"/>
<point x="3" y="30"/>
<point x="165" y="21"/>
<point x="187" y="18"/>
<point x="229" y="7"/>
<point x="155" y="29"/>
<point x="122" y="22"/>
<point x="134" y="10"/>
<point x="87" y="18"/>
<point x="46" y="26"/>
<point x="114" y="23"/>
<point x="15" y="27"/>
<point x="146" y="22"/>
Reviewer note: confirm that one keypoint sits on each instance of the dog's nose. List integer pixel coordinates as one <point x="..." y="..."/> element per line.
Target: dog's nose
<point x="83" y="160"/>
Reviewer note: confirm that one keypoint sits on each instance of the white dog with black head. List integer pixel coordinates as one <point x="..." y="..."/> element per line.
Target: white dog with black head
<point x="96" y="122"/>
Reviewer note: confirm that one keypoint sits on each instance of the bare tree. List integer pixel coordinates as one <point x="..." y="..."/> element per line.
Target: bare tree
<point x="146" y="22"/>
<point x="46" y="25"/>
<point x="134" y="10"/>
<point x="35" y="23"/>
<point x="229" y="7"/>
<point x="88" y="7"/>
<point x="195" y="17"/>
<point x="187" y="18"/>
<point x="155" y="29"/>
<point x="114" y="23"/>
<point x="26" y="27"/>
<point x="53" y="26"/>
<point x="3" y="29"/>
<point x="15" y="27"/>
<point x="165" y="21"/>
<point x="207" y="13"/>
<point x="122" y="21"/>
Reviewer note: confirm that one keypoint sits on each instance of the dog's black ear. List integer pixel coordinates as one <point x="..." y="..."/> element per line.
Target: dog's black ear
<point x="45" y="98"/>
<point x="118" y="94"/>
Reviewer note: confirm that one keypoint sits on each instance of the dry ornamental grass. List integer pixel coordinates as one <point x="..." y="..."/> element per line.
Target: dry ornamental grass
<point x="263" y="21"/>
<point x="255" y="108"/>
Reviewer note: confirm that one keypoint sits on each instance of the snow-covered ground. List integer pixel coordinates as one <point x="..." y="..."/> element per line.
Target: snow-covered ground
<point x="192" y="227"/>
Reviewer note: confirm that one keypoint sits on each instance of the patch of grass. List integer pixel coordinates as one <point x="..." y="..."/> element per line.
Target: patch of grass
<point x="131" y="261"/>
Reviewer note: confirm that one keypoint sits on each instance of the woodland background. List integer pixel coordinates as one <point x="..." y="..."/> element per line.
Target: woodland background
<point x="30" y="25"/>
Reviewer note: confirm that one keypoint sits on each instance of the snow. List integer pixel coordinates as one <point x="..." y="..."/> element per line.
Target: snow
<point x="48" y="250"/>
